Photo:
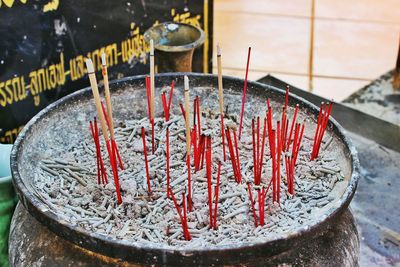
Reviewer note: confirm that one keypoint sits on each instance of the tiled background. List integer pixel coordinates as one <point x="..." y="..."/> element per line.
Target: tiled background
<point x="354" y="41"/>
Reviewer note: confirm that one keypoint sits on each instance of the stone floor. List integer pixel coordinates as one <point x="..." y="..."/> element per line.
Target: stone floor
<point x="354" y="41"/>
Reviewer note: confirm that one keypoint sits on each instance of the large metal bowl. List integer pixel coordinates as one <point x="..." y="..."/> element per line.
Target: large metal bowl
<point x="42" y="134"/>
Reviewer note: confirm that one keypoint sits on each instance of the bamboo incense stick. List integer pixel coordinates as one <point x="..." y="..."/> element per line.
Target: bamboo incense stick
<point x="220" y="86"/>
<point x="107" y="94"/>
<point x="152" y="80"/>
<point x="96" y="96"/>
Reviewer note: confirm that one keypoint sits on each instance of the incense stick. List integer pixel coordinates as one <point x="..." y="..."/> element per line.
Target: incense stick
<point x="146" y="162"/>
<point x="96" y="96"/>
<point x="152" y="84"/>
<point x="187" y="114"/>
<point x="107" y="93"/>
<point x="244" y="93"/>
<point x="220" y="86"/>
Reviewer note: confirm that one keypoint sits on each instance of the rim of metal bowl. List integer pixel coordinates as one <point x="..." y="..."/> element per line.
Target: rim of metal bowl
<point x="118" y="248"/>
<point x="176" y="48"/>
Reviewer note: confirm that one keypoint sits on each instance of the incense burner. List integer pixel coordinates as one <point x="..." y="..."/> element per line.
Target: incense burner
<point x="42" y="137"/>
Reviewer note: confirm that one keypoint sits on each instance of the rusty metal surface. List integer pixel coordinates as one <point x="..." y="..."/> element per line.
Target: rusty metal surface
<point x="32" y="244"/>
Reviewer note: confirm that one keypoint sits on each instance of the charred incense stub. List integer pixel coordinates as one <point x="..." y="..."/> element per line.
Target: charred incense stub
<point x="223" y="211"/>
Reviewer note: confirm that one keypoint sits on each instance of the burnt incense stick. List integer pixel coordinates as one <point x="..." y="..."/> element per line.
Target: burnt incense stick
<point x="244" y="93"/>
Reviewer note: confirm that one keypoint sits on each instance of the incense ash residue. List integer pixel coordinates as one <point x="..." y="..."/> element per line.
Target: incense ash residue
<point x="68" y="185"/>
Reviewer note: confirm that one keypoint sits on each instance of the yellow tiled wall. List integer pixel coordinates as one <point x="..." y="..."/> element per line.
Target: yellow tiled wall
<point x="354" y="41"/>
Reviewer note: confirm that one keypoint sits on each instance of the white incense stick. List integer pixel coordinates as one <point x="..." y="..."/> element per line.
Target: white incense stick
<point x="107" y="94"/>
<point x="152" y="85"/>
<point x="220" y="88"/>
<point x="96" y="96"/>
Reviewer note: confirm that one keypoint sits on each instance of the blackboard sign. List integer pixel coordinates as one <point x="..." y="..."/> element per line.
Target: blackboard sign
<point x="44" y="43"/>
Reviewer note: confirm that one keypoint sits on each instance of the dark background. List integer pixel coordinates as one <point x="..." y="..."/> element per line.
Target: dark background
<point x="29" y="42"/>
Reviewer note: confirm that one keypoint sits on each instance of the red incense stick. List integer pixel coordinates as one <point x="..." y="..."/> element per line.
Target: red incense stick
<point x="185" y="230"/>
<point x="278" y="160"/>
<point x="168" y="159"/>
<point x="189" y="196"/>
<point x="111" y="154"/>
<point x="273" y="156"/>
<point x="170" y="96"/>
<point x="216" y="189"/>
<point x="244" y="93"/>
<point x="324" y="125"/>
<point x="321" y="107"/>
<point x="237" y="158"/>
<point x="165" y="106"/>
<point x="145" y="160"/>
<point x="258" y="147"/>
<point x="148" y="94"/>
<point x="152" y="136"/>
<point x="291" y="128"/>
<point x="183" y="111"/>
<point x="113" y="142"/>
<point x="198" y="115"/>
<point x="262" y="149"/>
<point x="97" y="153"/>
<point x="209" y="179"/>
<point x="254" y="151"/>
<point x="260" y="195"/>
<point x="223" y="135"/>
<point x="232" y="155"/>
<point x="97" y="139"/>
<point x="286" y="97"/>
<point x="186" y="233"/>
<point x="252" y="204"/>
